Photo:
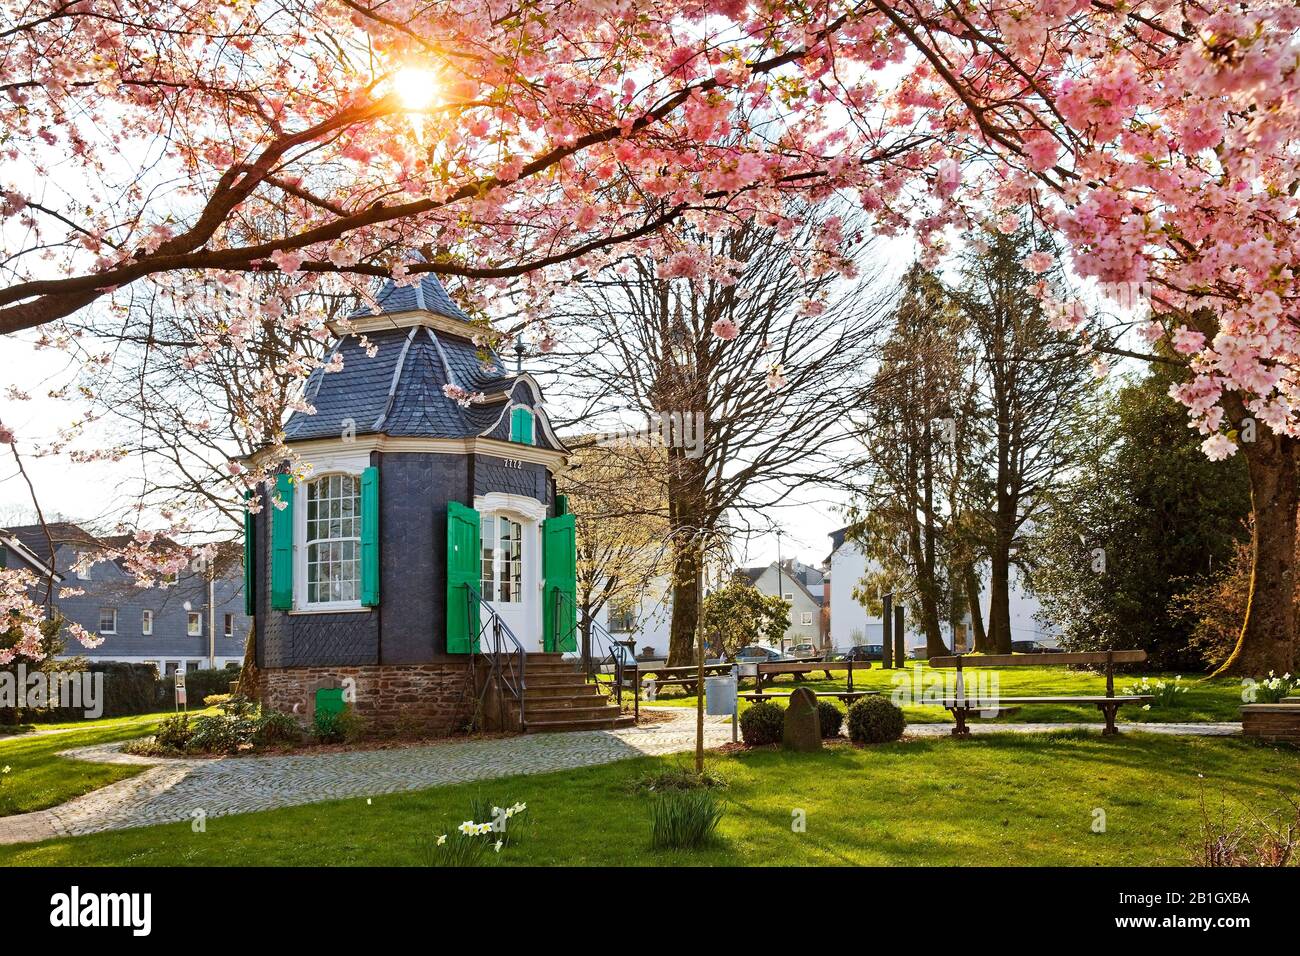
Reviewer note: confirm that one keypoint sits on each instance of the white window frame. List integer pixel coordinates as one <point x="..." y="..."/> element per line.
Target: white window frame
<point x="788" y="596"/>
<point x="320" y="466"/>
<point x="806" y="618"/>
<point x="102" y="629"/>
<point x="191" y="617"/>
<point x="146" y="622"/>
<point x="228" y="625"/>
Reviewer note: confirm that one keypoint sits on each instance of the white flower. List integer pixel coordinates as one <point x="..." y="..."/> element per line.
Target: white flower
<point x="1146" y="706"/>
<point x="497" y="846"/>
<point x="5" y="769"/>
<point x="442" y="839"/>
<point x="468" y="828"/>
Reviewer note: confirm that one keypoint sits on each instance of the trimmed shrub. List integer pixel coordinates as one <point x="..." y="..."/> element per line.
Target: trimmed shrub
<point x="216" y="700"/>
<point x="763" y="723"/>
<point x="830" y="717"/>
<point x="331" y="727"/>
<point x="174" y="733"/>
<point x="875" y="720"/>
<point x="684" y="819"/>
<point x="221" y="734"/>
<point x="276" y="727"/>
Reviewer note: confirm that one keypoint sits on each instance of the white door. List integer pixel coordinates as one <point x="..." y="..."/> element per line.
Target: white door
<point x="510" y="575"/>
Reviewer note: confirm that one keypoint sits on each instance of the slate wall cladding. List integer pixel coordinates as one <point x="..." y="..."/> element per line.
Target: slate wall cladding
<point x="519" y="478"/>
<point x="305" y="640"/>
<point x="431" y="698"/>
<point x="414" y="490"/>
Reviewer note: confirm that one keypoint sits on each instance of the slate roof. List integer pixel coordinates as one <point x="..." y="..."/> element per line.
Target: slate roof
<point x="427" y="295"/>
<point x="399" y="391"/>
<point x="32" y="537"/>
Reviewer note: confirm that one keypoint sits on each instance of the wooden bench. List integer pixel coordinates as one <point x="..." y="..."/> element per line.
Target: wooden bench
<point x="963" y="706"/>
<point x="848" y="696"/>
<point x="801" y="669"/>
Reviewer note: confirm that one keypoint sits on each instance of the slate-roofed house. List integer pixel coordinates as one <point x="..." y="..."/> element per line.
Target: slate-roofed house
<point x="171" y="627"/>
<point x="413" y="524"/>
<point x="802" y="586"/>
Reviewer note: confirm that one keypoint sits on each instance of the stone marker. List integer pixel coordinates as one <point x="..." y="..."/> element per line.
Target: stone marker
<point x="803" y="726"/>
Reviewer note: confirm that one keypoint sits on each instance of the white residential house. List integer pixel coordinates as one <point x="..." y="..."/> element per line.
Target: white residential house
<point x="850" y="624"/>
<point x="647" y="622"/>
<point x="804" y="587"/>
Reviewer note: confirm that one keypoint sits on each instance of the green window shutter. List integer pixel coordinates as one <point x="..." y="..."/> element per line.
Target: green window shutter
<point x="250" y="574"/>
<point x="521" y="426"/>
<point x="464" y="566"/>
<point x="559" y="584"/>
<point x="282" y="546"/>
<point x="370" y="537"/>
<point x="561" y="505"/>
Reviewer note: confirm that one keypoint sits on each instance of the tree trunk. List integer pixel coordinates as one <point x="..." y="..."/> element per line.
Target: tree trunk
<point x="1267" y="639"/>
<point x="999" y="636"/>
<point x="982" y="643"/>
<point x="686" y="604"/>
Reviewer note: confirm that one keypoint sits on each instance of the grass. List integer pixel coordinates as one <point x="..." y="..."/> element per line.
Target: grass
<point x="1003" y="799"/>
<point x="1205" y="700"/>
<point x="38" y="779"/>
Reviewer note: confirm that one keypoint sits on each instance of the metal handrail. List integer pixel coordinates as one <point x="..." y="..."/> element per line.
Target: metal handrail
<point x="501" y="666"/>
<point x="621" y="653"/>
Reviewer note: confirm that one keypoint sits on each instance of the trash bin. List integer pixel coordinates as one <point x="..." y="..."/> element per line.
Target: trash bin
<point x="720" y="696"/>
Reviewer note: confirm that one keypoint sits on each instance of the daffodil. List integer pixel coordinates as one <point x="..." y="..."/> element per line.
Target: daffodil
<point x="498" y="845"/>
<point x="442" y="839"/>
<point x="469" y="827"/>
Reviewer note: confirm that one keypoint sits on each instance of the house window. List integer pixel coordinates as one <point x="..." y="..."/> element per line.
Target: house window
<point x="788" y="595"/>
<point x="108" y="620"/>
<point x="333" y="539"/>
<point x="228" y="625"/>
<point x="502" y="577"/>
<point x="83" y="573"/>
<point x="146" y="623"/>
<point x="521" y="426"/>
<point x="806" y="618"/>
<point x="194" y="624"/>
<point x="622" y="620"/>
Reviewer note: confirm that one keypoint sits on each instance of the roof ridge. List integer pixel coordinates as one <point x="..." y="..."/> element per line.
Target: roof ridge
<point x="397" y="374"/>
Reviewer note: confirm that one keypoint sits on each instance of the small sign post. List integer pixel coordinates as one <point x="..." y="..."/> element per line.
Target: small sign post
<point x="179" y="677"/>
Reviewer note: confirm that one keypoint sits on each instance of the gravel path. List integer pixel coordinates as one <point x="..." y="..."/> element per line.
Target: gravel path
<point x="172" y="790"/>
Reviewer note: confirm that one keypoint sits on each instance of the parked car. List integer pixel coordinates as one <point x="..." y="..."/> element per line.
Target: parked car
<point x="804" y="652"/>
<point x="760" y="653"/>
<point x="865" y="652"/>
<point x="1031" y="647"/>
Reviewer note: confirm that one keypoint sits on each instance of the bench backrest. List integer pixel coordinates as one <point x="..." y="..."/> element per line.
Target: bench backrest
<point x="1040" y="660"/>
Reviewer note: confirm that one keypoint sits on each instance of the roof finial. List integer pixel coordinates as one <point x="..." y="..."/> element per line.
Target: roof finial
<point x="519" y="353"/>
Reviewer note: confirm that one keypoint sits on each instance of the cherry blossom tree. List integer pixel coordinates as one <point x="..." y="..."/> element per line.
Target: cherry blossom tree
<point x="529" y="140"/>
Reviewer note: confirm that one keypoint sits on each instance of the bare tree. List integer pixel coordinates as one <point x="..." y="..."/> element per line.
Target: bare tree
<point x="748" y="349"/>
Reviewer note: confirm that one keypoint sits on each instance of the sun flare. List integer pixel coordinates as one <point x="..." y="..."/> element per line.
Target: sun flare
<point x="415" y="86"/>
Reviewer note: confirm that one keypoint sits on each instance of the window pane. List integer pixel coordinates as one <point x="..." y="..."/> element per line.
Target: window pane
<point x="333" y="539"/>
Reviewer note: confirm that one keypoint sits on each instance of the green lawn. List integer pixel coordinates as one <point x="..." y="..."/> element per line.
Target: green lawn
<point x="1205" y="700"/>
<point x="38" y="779"/>
<point x="1004" y="799"/>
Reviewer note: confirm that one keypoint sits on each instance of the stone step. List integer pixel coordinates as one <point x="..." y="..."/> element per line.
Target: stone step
<point x="540" y="691"/>
<point x="550" y="679"/>
<point x="537" y="705"/>
<point x="578" y="712"/>
<point x="599" y="723"/>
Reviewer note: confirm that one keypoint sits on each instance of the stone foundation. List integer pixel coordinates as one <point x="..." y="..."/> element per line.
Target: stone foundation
<point x="1274" y="722"/>
<point x="433" y="699"/>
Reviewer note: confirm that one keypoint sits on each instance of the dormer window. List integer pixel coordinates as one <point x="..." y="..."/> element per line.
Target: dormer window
<point x="521" y="426"/>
